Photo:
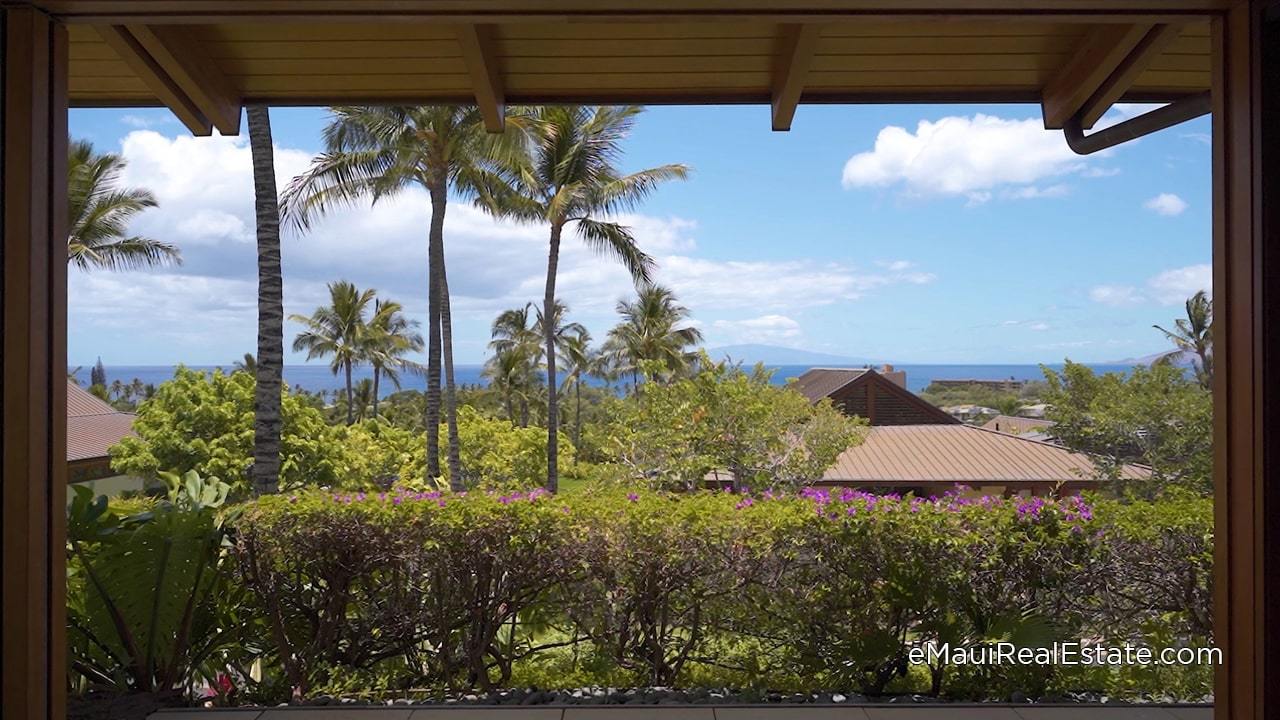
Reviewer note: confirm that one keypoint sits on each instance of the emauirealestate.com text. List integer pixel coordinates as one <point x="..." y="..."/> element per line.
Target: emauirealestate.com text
<point x="1061" y="653"/>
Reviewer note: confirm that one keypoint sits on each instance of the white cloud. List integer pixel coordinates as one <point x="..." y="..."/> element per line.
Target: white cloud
<point x="1172" y="287"/>
<point x="1116" y="295"/>
<point x="205" y="191"/>
<point x="965" y="156"/>
<point x="1031" y="192"/>
<point x="762" y="329"/>
<point x="1166" y="204"/>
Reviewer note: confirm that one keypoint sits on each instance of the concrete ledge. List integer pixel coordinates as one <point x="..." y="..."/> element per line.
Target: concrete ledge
<point x="955" y="711"/>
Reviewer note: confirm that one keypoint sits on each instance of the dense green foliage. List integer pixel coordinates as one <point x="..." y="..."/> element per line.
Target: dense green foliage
<point x="144" y="583"/>
<point x="204" y="422"/>
<point x="1155" y="416"/>
<point x="822" y="589"/>
<point x="727" y="419"/>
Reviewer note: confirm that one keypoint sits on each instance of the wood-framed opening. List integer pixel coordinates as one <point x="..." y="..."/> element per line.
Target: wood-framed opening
<point x="1246" y="255"/>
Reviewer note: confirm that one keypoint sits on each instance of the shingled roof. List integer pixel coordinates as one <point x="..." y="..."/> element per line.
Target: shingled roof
<point x="92" y="425"/>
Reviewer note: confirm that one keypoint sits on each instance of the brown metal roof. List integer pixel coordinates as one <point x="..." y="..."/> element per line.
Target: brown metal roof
<point x="92" y="424"/>
<point x="911" y="454"/>
<point x="1016" y="425"/>
<point x="817" y="383"/>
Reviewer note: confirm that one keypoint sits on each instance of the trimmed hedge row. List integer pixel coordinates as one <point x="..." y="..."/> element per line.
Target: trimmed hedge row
<point x="834" y="587"/>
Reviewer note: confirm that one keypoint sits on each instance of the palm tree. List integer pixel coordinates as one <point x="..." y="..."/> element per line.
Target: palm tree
<point x="248" y="363"/>
<point x="373" y="152"/>
<point x="651" y="331"/>
<point x="268" y="366"/>
<point x="560" y="330"/>
<point x="1194" y="334"/>
<point x="579" y="361"/>
<point x="512" y="373"/>
<point x="516" y="345"/>
<point x="390" y="337"/>
<point x="568" y="176"/>
<point x="99" y="215"/>
<point x="337" y="331"/>
<point x="363" y="396"/>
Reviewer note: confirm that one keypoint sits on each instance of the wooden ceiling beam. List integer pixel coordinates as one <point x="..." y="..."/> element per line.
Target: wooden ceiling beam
<point x="177" y="53"/>
<point x="165" y="90"/>
<point x="1155" y="42"/>
<point x="481" y="59"/>
<point x="797" y="45"/>
<point x="1098" y="57"/>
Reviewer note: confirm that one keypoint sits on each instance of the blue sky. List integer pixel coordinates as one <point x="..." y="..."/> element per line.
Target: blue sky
<point x="909" y="234"/>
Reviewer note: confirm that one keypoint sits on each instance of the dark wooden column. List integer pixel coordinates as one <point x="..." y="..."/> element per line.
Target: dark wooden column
<point x="1246" y="267"/>
<point x="33" y="397"/>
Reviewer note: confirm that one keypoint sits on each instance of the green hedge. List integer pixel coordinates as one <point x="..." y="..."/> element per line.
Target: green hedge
<point x="820" y="590"/>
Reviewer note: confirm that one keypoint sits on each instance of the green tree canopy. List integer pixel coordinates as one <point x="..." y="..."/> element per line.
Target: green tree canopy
<point x="731" y="420"/>
<point x="204" y="422"/>
<point x="1154" y="416"/>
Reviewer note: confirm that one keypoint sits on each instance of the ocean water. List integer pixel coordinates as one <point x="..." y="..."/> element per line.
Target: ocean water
<point x="318" y="377"/>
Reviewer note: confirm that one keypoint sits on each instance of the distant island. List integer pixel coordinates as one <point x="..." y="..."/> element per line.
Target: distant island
<point x="777" y="355"/>
<point x="1182" y="359"/>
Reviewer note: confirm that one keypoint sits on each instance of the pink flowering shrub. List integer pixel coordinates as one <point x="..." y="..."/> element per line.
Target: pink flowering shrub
<point x="834" y="586"/>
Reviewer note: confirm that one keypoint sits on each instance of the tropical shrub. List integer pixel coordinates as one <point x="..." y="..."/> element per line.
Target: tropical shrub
<point x="435" y="581"/>
<point x="144" y="579"/>
<point x="829" y="588"/>
<point x="204" y="422"/>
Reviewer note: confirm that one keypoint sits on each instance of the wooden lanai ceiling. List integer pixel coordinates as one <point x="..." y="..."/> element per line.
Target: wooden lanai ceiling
<point x="204" y="59"/>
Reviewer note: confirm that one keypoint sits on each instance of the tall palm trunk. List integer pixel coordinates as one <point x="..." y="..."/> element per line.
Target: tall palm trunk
<point x="450" y="396"/>
<point x="377" y="375"/>
<point x="435" y="240"/>
<point x="351" y="398"/>
<point x="549" y="333"/>
<point x="577" y="416"/>
<point x="269" y="372"/>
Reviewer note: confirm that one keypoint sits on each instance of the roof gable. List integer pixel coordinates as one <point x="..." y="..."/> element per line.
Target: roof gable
<point x="868" y="394"/>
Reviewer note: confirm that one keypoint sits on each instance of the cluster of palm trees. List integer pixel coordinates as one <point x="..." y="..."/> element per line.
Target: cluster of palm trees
<point x="653" y="340"/>
<point x="554" y="166"/>
<point x="357" y="329"/>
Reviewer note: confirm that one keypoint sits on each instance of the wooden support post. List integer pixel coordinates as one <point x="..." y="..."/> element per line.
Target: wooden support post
<point x="1246" y="333"/>
<point x="33" y="397"/>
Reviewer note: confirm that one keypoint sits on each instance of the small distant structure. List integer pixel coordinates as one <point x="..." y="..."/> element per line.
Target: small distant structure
<point x="967" y="413"/>
<point x="881" y="397"/>
<point x="1033" y="411"/>
<point x="1030" y="428"/>
<point x="1010" y="385"/>
<point x="93" y="426"/>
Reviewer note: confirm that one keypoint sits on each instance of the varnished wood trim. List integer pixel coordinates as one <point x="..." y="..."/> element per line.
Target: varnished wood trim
<point x="33" y="362"/>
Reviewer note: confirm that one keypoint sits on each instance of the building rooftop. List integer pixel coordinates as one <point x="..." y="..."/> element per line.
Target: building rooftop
<point x="92" y="424"/>
<point x="1017" y="425"/>
<point x="906" y="455"/>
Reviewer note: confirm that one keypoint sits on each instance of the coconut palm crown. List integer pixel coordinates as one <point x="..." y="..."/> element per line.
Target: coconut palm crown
<point x="99" y="213"/>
